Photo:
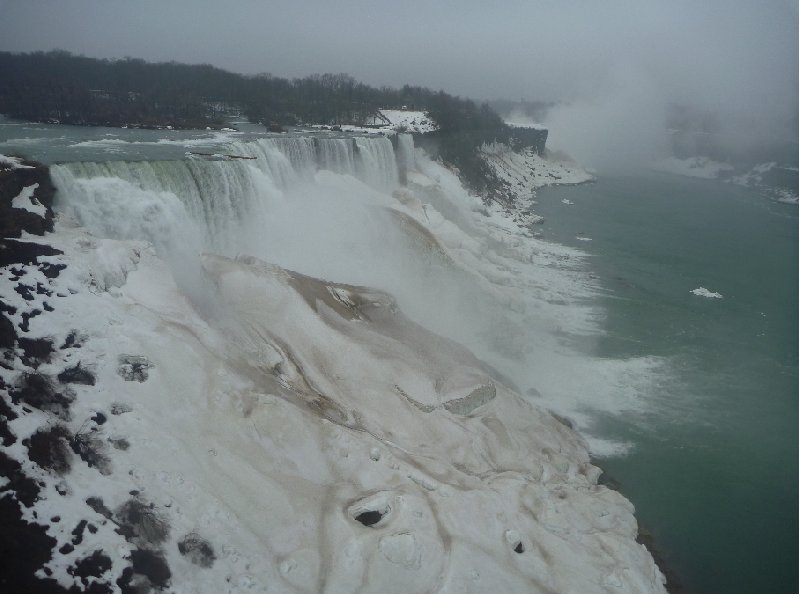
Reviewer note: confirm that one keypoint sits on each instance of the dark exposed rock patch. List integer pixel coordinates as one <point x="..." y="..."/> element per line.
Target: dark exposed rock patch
<point x="49" y="449"/>
<point x="197" y="550"/>
<point x="13" y="221"/>
<point x="148" y="569"/>
<point x="25" y="291"/>
<point x="37" y="390"/>
<point x="133" y="367"/>
<point x="7" y="438"/>
<point x="26" y="316"/>
<point x="25" y="488"/>
<point x="92" y="450"/>
<point x="77" y="532"/>
<point x="66" y="549"/>
<point x="140" y="523"/>
<point x="8" y="334"/>
<point x="74" y="340"/>
<point x="36" y="350"/>
<point x="51" y="270"/>
<point x="93" y="566"/>
<point x="24" y="548"/>
<point x="96" y="503"/>
<point x="24" y="252"/>
<point x="76" y="375"/>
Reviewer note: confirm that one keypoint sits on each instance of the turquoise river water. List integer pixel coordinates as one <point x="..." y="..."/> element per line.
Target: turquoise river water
<point x="713" y="467"/>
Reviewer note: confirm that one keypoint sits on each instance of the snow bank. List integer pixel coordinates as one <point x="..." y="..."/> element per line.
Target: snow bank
<point x="410" y="121"/>
<point x="12" y="163"/>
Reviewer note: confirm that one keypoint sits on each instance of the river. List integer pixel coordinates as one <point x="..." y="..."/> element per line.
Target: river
<point x="712" y="467"/>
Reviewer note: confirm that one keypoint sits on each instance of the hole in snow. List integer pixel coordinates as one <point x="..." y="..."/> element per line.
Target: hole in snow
<point x="372" y="510"/>
<point x="369" y="518"/>
<point x="519" y="548"/>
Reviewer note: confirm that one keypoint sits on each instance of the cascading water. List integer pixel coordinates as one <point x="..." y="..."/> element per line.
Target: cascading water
<point x="153" y="199"/>
<point x="406" y="158"/>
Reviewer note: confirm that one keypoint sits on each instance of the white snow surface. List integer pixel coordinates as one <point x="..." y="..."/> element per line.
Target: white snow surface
<point x="26" y="201"/>
<point x="411" y="121"/>
<point x="7" y="162"/>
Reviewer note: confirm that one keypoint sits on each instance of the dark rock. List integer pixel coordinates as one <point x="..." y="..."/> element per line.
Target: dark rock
<point x="8" y="334"/>
<point x="197" y="550"/>
<point x="24" y="549"/>
<point x="24" y="291"/>
<point x="519" y="548"/>
<point x="48" y="448"/>
<point x="37" y="391"/>
<point x="51" y="270"/>
<point x="93" y="566"/>
<point x="66" y="549"/>
<point x="25" y="488"/>
<point x="76" y="375"/>
<point x="36" y="349"/>
<point x="72" y="341"/>
<point x="151" y="565"/>
<point x="26" y="316"/>
<point x="77" y="532"/>
<point x="139" y="522"/>
<point x="15" y="221"/>
<point x="133" y="367"/>
<point x="99" y="418"/>
<point x="47" y="306"/>
<point x="96" y="503"/>
<point x="91" y="450"/>
<point x="6" y="414"/>
<point x="24" y="252"/>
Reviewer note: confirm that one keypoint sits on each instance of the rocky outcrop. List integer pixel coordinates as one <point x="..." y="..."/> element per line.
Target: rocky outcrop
<point x="26" y="198"/>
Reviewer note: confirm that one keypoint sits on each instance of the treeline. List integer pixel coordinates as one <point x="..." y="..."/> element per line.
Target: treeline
<point x="70" y="89"/>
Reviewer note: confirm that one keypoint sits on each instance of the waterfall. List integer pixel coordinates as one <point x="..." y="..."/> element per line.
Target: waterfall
<point x="406" y="159"/>
<point x="222" y="206"/>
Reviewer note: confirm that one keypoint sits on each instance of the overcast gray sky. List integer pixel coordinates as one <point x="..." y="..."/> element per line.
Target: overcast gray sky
<point x="717" y="54"/>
